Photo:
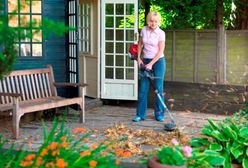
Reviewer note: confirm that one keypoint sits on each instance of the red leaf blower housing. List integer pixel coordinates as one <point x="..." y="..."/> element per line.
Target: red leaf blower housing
<point x="133" y="51"/>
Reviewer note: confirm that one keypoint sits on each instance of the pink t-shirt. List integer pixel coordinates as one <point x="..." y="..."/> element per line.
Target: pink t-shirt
<point x="150" y="40"/>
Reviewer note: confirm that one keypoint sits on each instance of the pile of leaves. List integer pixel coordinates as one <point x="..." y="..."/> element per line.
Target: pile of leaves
<point x="132" y="141"/>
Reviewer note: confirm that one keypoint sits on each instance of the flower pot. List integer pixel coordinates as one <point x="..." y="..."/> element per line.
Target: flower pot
<point x="153" y="163"/>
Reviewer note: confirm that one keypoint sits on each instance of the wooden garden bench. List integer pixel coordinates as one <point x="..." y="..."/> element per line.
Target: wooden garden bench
<point x="27" y="91"/>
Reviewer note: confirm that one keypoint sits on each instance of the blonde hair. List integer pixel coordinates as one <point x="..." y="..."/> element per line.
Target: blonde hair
<point x="153" y="14"/>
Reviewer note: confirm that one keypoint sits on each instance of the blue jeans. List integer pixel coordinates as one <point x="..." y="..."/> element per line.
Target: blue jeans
<point x="159" y="69"/>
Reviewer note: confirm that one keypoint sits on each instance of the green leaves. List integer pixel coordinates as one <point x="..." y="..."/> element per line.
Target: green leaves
<point x="244" y="132"/>
<point x="171" y="156"/>
<point x="227" y="139"/>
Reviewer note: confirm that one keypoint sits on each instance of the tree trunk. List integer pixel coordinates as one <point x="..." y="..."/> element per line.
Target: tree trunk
<point x="147" y="10"/>
<point x="219" y="13"/>
<point x="242" y="14"/>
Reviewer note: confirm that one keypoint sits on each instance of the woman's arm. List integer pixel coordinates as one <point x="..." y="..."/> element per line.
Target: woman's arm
<point x="140" y="47"/>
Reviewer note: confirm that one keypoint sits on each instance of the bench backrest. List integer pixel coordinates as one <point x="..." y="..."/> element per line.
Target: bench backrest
<point x="31" y="84"/>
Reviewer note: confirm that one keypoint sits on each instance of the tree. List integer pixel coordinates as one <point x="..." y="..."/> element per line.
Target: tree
<point x="201" y="14"/>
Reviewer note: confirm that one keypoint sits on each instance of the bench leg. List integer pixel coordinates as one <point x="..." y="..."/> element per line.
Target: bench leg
<point x="82" y="106"/>
<point x="16" y="121"/>
<point x="82" y="113"/>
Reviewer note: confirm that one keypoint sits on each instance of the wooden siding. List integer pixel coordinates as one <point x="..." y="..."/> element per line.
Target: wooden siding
<point x="237" y="57"/>
<point x="192" y="56"/>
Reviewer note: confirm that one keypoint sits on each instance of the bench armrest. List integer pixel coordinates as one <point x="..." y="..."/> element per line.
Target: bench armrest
<point x="70" y="84"/>
<point x="10" y="94"/>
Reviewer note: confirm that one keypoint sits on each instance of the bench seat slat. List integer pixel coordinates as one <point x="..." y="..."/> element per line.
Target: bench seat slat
<point x="47" y="103"/>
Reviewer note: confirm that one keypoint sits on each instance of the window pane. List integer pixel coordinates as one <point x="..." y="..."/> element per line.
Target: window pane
<point x="109" y="21"/>
<point x="120" y="35"/>
<point x="25" y="49"/>
<point x="119" y="73"/>
<point x="119" y="61"/>
<point x="130" y="74"/>
<point x="130" y="21"/>
<point x="37" y="50"/>
<point x="109" y="73"/>
<point x="129" y="9"/>
<point x="13" y="20"/>
<point x="25" y="35"/>
<point x="129" y="62"/>
<point x="109" y="47"/>
<point x="129" y="35"/>
<point x="109" y="35"/>
<point x="25" y="6"/>
<point x="13" y="6"/>
<point x="36" y="6"/>
<point x="25" y="21"/>
<point x="120" y="9"/>
<point x="109" y="9"/>
<point x="37" y="36"/>
<point x="109" y="60"/>
<point x="119" y="48"/>
<point x="119" y="22"/>
<point x="36" y="20"/>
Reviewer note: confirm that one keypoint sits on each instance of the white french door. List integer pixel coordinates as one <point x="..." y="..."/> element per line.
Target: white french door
<point x="118" y="73"/>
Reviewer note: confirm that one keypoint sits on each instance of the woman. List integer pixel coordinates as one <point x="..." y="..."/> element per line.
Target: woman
<point x="151" y="46"/>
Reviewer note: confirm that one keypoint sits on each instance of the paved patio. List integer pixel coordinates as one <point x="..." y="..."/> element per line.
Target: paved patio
<point x="104" y="116"/>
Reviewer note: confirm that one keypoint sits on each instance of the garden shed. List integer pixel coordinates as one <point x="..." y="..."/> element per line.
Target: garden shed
<point x="206" y="65"/>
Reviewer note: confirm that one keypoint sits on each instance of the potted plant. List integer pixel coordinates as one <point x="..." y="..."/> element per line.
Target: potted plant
<point x="174" y="156"/>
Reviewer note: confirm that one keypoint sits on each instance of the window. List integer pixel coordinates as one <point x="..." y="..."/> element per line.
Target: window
<point x="85" y="28"/>
<point x="26" y="17"/>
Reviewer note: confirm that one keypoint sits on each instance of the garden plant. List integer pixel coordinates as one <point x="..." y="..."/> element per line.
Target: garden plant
<point x="61" y="148"/>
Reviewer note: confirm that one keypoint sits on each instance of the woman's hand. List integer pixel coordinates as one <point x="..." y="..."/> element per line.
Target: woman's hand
<point x="140" y="62"/>
<point x="149" y="66"/>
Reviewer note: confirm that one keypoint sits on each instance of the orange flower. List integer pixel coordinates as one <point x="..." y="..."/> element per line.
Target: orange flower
<point x="63" y="138"/>
<point x="61" y="163"/>
<point x="50" y="164"/>
<point x="117" y="162"/>
<point x="93" y="163"/>
<point x="64" y="144"/>
<point x="39" y="161"/>
<point x="55" y="152"/>
<point x="29" y="157"/>
<point x="85" y="153"/>
<point x="78" y="130"/>
<point x="86" y="140"/>
<point x="26" y="163"/>
<point x="53" y="146"/>
<point x="94" y="146"/>
<point x="44" y="152"/>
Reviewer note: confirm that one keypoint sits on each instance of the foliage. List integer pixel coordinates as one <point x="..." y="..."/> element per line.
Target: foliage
<point x="228" y="138"/>
<point x="196" y="14"/>
<point x="175" y="155"/>
<point x="178" y="155"/>
<point x="7" y="49"/>
<point x="62" y="148"/>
